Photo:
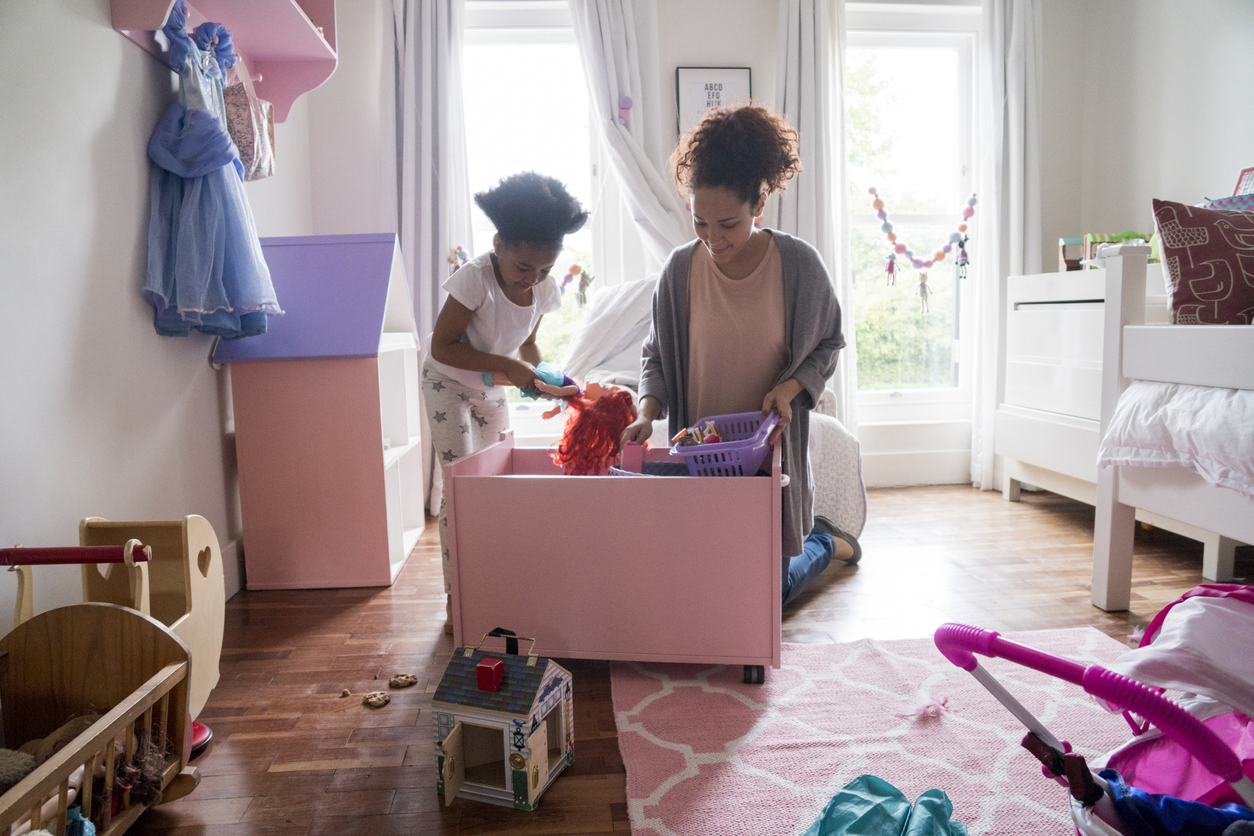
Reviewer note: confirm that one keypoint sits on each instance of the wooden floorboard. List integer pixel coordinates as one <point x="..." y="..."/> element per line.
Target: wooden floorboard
<point x="291" y="756"/>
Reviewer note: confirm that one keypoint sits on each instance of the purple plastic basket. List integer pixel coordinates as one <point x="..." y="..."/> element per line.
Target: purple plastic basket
<point x="740" y="455"/>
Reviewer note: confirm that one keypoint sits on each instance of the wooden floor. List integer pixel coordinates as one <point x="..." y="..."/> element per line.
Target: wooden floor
<point x="291" y="756"/>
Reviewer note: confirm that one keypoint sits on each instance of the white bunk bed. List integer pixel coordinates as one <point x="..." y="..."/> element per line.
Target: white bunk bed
<point x="1198" y="355"/>
<point x="1048" y="425"/>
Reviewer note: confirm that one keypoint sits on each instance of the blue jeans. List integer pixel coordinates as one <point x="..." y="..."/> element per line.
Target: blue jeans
<point x="799" y="571"/>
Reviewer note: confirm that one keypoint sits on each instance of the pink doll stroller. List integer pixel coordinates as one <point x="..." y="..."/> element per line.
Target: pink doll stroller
<point x="1188" y="766"/>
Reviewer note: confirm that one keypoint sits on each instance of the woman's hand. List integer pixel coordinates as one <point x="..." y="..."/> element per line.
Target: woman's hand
<point x="638" y="431"/>
<point x="779" y="401"/>
<point x="522" y="375"/>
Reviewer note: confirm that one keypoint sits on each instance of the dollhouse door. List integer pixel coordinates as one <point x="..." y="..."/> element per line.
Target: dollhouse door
<point x="538" y="777"/>
<point x="454" y="764"/>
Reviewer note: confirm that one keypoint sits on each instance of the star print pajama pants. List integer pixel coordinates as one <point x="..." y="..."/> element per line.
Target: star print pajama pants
<point x="462" y="419"/>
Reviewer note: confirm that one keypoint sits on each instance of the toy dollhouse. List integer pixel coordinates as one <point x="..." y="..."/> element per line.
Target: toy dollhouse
<point x="503" y="726"/>
<point x="328" y="433"/>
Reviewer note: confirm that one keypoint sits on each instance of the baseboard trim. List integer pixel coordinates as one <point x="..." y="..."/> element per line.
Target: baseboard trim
<point x="929" y="467"/>
<point x="232" y="566"/>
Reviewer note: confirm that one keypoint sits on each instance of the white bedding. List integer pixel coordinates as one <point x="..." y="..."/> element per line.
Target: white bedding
<point x="1208" y="430"/>
<point x="612" y="333"/>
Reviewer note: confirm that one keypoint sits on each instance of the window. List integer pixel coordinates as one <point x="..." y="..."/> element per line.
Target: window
<point x="526" y="109"/>
<point x="910" y="137"/>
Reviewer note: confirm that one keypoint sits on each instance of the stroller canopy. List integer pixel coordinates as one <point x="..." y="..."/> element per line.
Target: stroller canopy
<point x="1205" y="646"/>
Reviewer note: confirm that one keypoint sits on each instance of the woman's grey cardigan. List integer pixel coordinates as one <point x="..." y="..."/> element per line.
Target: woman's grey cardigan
<point x="812" y="332"/>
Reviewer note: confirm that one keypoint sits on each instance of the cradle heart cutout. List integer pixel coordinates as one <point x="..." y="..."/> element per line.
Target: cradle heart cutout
<point x="204" y="559"/>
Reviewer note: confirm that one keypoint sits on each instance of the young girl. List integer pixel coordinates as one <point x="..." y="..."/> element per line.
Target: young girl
<point x="489" y="322"/>
<point x="745" y="318"/>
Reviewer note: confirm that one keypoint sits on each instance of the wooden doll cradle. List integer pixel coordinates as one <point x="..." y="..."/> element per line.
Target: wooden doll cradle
<point x="648" y="569"/>
<point x="180" y="585"/>
<point x="88" y="659"/>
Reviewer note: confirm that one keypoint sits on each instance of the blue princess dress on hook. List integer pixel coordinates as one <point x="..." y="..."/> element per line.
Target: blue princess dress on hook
<point x="205" y="267"/>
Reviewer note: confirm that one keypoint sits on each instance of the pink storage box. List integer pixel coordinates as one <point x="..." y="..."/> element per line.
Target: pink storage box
<point x="665" y="569"/>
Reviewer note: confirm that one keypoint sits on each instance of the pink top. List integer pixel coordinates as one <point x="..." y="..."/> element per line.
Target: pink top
<point x="736" y="343"/>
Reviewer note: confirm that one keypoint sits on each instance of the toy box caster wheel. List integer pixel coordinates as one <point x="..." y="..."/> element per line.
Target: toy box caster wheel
<point x="755" y="674"/>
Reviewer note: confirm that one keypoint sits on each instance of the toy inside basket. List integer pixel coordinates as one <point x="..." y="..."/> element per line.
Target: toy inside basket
<point x="742" y="451"/>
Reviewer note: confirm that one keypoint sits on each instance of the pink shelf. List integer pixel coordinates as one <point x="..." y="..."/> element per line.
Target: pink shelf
<point x="278" y="39"/>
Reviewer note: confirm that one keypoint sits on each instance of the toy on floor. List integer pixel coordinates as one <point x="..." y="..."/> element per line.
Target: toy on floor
<point x="498" y="715"/>
<point x="1186" y="767"/>
<point x="59" y="668"/>
<point x="593" y="437"/>
<point x="174" y="575"/>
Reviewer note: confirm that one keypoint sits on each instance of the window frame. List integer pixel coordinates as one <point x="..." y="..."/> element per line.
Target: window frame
<point x="953" y="27"/>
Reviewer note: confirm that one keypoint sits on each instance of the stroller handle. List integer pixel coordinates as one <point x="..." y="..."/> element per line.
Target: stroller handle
<point x="959" y="643"/>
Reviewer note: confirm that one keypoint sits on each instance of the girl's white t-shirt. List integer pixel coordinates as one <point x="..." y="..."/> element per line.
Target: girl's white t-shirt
<point x="498" y="326"/>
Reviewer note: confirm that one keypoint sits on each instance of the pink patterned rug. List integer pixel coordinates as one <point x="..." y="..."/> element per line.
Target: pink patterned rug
<point x="708" y="754"/>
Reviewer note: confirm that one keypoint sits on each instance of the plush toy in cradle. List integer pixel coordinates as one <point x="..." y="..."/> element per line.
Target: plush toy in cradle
<point x="593" y="437"/>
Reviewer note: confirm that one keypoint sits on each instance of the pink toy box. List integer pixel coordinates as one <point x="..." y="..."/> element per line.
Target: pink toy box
<point x="649" y="569"/>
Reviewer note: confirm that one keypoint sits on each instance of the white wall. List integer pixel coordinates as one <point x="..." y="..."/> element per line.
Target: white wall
<point x="1168" y="106"/>
<point x="99" y="416"/>
<point x="1142" y="99"/>
<point x="1062" y="125"/>
<point x="352" y="159"/>
<point x="715" y="33"/>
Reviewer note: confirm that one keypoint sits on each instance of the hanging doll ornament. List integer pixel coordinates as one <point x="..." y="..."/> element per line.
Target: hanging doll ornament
<point x="581" y="287"/>
<point x="899" y="247"/>
<point x="960" y="263"/>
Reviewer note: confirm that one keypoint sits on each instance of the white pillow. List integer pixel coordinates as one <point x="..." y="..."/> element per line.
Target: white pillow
<point x="1206" y="429"/>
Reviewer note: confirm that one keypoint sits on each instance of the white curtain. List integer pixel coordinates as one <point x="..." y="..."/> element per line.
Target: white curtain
<point x="810" y="93"/>
<point x="1009" y="239"/>
<point x="432" y="189"/>
<point x="618" y="46"/>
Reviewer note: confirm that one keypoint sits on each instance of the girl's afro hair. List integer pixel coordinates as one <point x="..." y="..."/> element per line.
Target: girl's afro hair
<point x="531" y="208"/>
<point x="747" y="150"/>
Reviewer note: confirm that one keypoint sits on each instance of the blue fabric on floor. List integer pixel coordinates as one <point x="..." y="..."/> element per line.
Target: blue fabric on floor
<point x="1165" y="815"/>
<point x="800" y="571"/>
<point x="870" y="806"/>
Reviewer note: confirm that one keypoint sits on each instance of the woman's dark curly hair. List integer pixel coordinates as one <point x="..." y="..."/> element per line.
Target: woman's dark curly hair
<point x="747" y="150"/>
<point x="531" y="208"/>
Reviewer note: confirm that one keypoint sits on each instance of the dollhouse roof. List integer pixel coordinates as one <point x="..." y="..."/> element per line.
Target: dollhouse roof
<point x="339" y="294"/>
<point x="519" y="686"/>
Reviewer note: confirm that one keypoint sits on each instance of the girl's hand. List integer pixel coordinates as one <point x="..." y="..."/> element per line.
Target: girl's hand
<point x="522" y="375"/>
<point x="638" y="430"/>
<point x="779" y="401"/>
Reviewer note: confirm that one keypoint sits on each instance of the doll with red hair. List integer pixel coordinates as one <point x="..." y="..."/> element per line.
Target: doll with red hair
<point x="594" y="428"/>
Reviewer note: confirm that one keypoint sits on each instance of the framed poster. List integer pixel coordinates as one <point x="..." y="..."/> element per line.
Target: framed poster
<point x="697" y="89"/>
<point x="1245" y="183"/>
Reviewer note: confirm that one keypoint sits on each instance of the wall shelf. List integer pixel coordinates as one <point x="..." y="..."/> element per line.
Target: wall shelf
<point x="278" y="39"/>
